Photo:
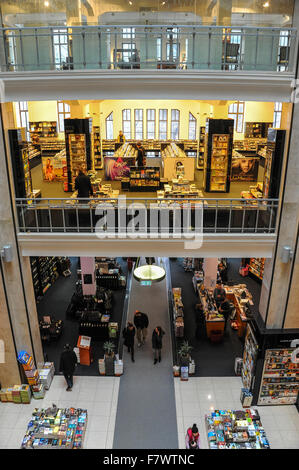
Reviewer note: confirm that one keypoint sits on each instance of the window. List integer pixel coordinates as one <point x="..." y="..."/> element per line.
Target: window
<point x="175" y="124"/>
<point x="60" y="43"/>
<point x="129" y="50"/>
<point x="192" y="127"/>
<point x="172" y="45"/>
<point x="22" y="116"/>
<point x="236" y="112"/>
<point x="12" y="49"/>
<point x="128" y="33"/>
<point x="127" y="123"/>
<point x="64" y="112"/>
<point x="150" y="123"/>
<point x="162" y="124"/>
<point x="159" y="49"/>
<point x="277" y="115"/>
<point x="138" y="124"/>
<point x="109" y="126"/>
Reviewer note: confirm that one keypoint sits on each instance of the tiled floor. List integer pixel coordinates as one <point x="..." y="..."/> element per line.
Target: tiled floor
<point x="194" y="399"/>
<point x="98" y="395"/>
<point x="200" y="395"/>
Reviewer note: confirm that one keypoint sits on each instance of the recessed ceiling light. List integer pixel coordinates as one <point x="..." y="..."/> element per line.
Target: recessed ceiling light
<point x="209" y="397"/>
<point x="266" y="4"/>
<point x="46" y="3"/>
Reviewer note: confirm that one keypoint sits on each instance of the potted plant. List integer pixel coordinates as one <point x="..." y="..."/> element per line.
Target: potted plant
<point x="184" y="354"/>
<point x="109" y="347"/>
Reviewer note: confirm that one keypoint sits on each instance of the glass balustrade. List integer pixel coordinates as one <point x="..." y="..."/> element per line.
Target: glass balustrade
<point x="138" y="47"/>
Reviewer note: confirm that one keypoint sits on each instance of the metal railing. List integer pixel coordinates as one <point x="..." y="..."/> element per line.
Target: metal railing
<point x="80" y="215"/>
<point x="119" y="47"/>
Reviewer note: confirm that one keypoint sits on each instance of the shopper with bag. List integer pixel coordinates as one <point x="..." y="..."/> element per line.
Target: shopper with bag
<point x="141" y="323"/>
<point x="68" y="362"/>
<point x="192" y="439"/>
<point x="157" y="336"/>
<point x="129" y="335"/>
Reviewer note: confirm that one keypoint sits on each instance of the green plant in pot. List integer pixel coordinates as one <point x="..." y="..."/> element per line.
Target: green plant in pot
<point x="109" y="347"/>
<point x="184" y="353"/>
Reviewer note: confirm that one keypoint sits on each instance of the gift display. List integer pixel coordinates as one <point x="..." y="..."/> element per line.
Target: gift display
<point x="228" y="429"/>
<point x="56" y="428"/>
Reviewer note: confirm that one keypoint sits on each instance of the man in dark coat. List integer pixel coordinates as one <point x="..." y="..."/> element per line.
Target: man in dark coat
<point x="157" y="336"/>
<point x="225" y="309"/>
<point x="129" y="334"/>
<point x="219" y="294"/>
<point x="141" y="323"/>
<point x="68" y="362"/>
<point x="83" y="185"/>
<point x="140" y="159"/>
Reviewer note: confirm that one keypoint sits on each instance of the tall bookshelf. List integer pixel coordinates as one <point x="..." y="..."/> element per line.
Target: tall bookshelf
<point x="20" y="165"/>
<point x="280" y="380"/>
<point x="40" y="129"/>
<point x="218" y="154"/>
<point x="97" y="154"/>
<point x="78" y="148"/>
<point x="256" y="267"/>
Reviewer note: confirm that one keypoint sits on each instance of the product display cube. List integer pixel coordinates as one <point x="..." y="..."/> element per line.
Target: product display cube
<point x="113" y="329"/>
<point x="25" y="393"/>
<point x="84" y="350"/>
<point x="102" y="368"/>
<point x="16" y="394"/>
<point x="3" y="396"/>
<point x="118" y="367"/>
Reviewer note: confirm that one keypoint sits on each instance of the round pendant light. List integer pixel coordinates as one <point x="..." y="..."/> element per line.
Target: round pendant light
<point x="149" y="272"/>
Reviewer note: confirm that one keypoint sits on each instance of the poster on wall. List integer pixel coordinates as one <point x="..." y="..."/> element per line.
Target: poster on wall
<point x="116" y="169"/>
<point x="54" y="169"/>
<point x="245" y="169"/>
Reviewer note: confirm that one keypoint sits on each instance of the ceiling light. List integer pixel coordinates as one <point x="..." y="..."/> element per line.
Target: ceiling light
<point x="209" y="397"/>
<point x="149" y="272"/>
<point x="46" y="3"/>
<point x="130" y="3"/>
<point x="266" y="4"/>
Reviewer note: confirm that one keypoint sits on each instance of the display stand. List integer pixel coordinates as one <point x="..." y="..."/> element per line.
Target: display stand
<point x="218" y="155"/>
<point x="273" y="164"/>
<point x="78" y="148"/>
<point x="84" y="350"/>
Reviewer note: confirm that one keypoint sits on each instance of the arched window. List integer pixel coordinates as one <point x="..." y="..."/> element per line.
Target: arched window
<point x="192" y="127"/>
<point x="109" y="126"/>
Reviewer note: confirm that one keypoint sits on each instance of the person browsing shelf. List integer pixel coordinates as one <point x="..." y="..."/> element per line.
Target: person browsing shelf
<point x="219" y="294"/>
<point x="121" y="138"/>
<point x="225" y="309"/>
<point x="83" y="185"/>
<point x="140" y="159"/>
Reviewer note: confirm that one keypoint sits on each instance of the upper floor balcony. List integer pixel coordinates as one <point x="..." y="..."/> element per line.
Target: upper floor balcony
<point x="139" y="47"/>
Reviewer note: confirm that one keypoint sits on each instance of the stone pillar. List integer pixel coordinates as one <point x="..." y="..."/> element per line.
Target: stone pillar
<point x="224" y="13"/>
<point x="292" y="312"/>
<point x="16" y="274"/>
<point x="287" y="228"/>
<point x="268" y="268"/>
<point x="9" y="369"/>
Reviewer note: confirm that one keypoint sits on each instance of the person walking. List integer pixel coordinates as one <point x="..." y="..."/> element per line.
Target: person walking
<point x="157" y="336"/>
<point x="68" y="362"/>
<point x="129" y="335"/>
<point x="141" y="323"/>
<point x="140" y="159"/>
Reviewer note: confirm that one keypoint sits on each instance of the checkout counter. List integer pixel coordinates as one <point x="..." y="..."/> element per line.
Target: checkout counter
<point x="238" y="295"/>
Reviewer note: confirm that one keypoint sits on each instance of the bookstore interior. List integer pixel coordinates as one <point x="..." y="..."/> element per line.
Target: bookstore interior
<point x="213" y="306"/>
<point x="190" y="149"/>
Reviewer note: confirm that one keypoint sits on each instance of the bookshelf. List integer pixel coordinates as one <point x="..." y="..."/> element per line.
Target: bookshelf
<point x="40" y="129"/>
<point x="97" y="155"/>
<point x="280" y="380"/>
<point x="144" y="179"/>
<point x="256" y="267"/>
